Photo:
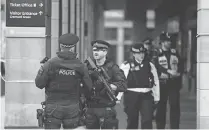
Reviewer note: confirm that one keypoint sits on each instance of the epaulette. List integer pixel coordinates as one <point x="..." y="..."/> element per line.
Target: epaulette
<point x="128" y="61"/>
<point x="125" y="62"/>
<point x="173" y="51"/>
<point x="132" y="65"/>
<point x="109" y="64"/>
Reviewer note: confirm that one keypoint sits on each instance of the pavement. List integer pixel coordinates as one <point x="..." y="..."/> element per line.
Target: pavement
<point x="187" y="119"/>
<point x="188" y="112"/>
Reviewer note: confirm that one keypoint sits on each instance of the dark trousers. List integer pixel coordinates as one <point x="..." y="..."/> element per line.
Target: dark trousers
<point x="57" y="115"/>
<point x="134" y="103"/>
<point x="169" y="91"/>
<point x="101" y="117"/>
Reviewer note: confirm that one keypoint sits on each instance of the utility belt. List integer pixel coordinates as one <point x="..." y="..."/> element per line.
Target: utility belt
<point x="146" y="93"/>
<point x="129" y="92"/>
<point x="41" y="115"/>
<point x="164" y="81"/>
<point x="99" y="102"/>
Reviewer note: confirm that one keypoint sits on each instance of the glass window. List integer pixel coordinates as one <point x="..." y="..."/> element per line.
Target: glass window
<point x="2" y="7"/>
<point x="112" y="53"/>
<point x="128" y="33"/>
<point x="111" y="33"/>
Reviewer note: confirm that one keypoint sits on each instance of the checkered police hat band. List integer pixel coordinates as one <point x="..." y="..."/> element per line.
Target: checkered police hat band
<point x="66" y="46"/>
<point x="100" y="45"/>
<point x="135" y="50"/>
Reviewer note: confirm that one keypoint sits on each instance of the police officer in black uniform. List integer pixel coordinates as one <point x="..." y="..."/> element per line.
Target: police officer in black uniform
<point x="151" y="51"/>
<point x="169" y="68"/>
<point x="143" y="88"/>
<point x="61" y="77"/>
<point x="101" y="113"/>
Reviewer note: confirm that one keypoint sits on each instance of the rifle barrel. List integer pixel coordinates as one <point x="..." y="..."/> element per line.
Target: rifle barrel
<point x="102" y="79"/>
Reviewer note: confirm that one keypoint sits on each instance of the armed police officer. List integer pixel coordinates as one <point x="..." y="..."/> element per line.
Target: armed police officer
<point x="101" y="112"/>
<point x="143" y="88"/>
<point x="61" y="77"/>
<point x="169" y="68"/>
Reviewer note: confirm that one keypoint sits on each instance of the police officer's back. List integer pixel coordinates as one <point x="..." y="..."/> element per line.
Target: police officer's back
<point x="61" y="77"/>
<point x="151" y="53"/>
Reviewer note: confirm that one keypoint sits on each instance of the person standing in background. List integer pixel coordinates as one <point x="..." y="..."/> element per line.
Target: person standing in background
<point x="151" y="52"/>
<point x="143" y="88"/>
<point x="170" y="69"/>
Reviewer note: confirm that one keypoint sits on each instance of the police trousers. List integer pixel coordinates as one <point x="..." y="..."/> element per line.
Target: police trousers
<point x="104" y="118"/>
<point x="57" y="115"/>
<point x="135" y="102"/>
<point x="169" y="91"/>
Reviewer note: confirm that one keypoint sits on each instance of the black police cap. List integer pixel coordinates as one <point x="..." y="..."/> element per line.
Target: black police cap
<point x="164" y="36"/>
<point x="68" y="40"/>
<point x="137" y="48"/>
<point x="100" y="44"/>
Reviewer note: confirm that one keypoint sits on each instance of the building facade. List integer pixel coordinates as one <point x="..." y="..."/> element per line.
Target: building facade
<point x="85" y="18"/>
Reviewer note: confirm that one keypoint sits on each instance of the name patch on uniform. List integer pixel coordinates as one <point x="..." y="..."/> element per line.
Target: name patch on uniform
<point x="163" y="61"/>
<point x="66" y="72"/>
<point x="41" y="70"/>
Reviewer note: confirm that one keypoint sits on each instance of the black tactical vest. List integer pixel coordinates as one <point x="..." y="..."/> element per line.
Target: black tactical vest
<point x="139" y="77"/>
<point x="64" y="83"/>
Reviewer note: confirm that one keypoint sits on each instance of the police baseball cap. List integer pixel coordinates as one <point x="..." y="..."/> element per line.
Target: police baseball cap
<point x="138" y="48"/>
<point x="164" y="36"/>
<point x="100" y="44"/>
<point x="68" y="40"/>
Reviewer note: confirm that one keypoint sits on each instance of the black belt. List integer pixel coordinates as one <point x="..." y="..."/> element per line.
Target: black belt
<point x="95" y="104"/>
<point x="166" y="80"/>
<point x="146" y="93"/>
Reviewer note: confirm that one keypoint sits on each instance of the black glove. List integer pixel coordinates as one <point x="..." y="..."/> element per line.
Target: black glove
<point x="93" y="74"/>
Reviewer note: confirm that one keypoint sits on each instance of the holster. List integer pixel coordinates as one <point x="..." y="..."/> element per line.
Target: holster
<point x="40" y="117"/>
<point x="97" y="102"/>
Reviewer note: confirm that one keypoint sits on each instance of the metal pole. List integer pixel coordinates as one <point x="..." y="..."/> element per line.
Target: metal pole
<point x="202" y="64"/>
<point x="48" y="11"/>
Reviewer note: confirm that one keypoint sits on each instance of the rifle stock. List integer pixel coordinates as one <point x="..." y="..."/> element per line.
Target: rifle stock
<point x="44" y="60"/>
<point x="102" y="79"/>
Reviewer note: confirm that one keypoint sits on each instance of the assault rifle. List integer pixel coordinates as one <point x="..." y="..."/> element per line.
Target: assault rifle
<point x="44" y="60"/>
<point x="103" y="78"/>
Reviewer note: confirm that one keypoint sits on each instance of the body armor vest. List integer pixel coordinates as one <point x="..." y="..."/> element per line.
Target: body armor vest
<point x="139" y="76"/>
<point x="165" y="63"/>
<point x="64" y="84"/>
